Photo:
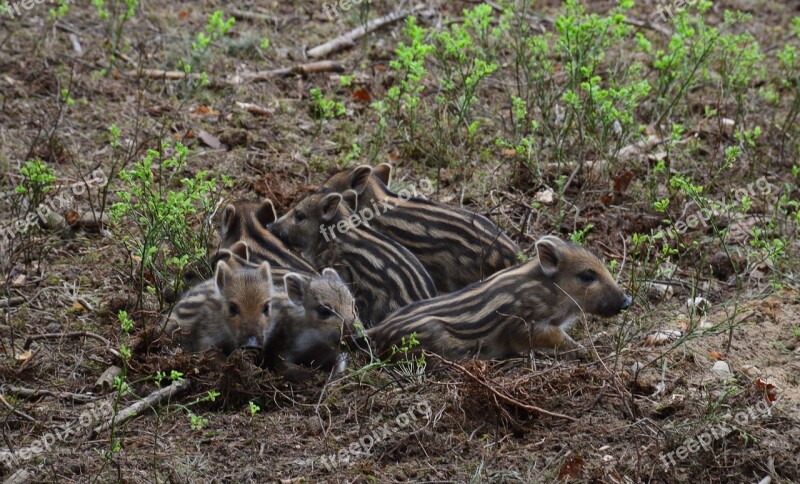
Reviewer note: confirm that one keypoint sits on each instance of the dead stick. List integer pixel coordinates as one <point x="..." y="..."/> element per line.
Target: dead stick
<point x="348" y="39"/>
<point x="76" y="334"/>
<point x="16" y="412"/>
<point x="508" y="399"/>
<point x="11" y="302"/>
<point x="301" y="69"/>
<point x="147" y="402"/>
<point x="30" y="392"/>
<point x="258" y="17"/>
<point x="160" y="74"/>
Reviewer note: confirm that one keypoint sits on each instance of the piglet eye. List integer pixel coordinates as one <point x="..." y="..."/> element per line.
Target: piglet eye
<point x="324" y="312"/>
<point x="233" y="309"/>
<point x="299" y="217"/>
<point x="265" y="309"/>
<point x="588" y="276"/>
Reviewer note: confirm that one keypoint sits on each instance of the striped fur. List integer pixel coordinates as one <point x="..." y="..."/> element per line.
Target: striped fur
<point x="456" y="246"/>
<point x="227" y="312"/>
<point x="246" y="221"/>
<point x="239" y="256"/>
<point x="384" y="275"/>
<point x="312" y="316"/>
<point x="515" y="310"/>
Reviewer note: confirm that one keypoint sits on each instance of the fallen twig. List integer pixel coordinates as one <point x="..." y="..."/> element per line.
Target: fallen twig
<point x="76" y="334"/>
<point x="30" y="392"/>
<point x="141" y="405"/>
<point x="259" y="76"/>
<point x="11" y="302"/>
<point x="258" y="17"/>
<point x="254" y="109"/>
<point x="160" y="74"/>
<point x="500" y="395"/>
<point x="301" y="69"/>
<point x="348" y="39"/>
<point x="16" y="412"/>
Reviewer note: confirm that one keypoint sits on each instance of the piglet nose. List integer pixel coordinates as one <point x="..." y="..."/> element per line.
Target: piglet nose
<point x="626" y="301"/>
<point x="252" y="344"/>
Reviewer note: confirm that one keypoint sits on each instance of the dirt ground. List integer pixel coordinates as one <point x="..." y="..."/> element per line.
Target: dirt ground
<point x="664" y="395"/>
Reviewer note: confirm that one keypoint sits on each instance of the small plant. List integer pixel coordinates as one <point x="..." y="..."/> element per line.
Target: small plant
<point x="197" y="421"/>
<point x="37" y="182"/>
<point x="60" y="10"/>
<point x="254" y="409"/>
<point x="409" y="365"/>
<point x="579" y="236"/>
<point x="115" y="14"/>
<point x="164" y="229"/>
<point x="216" y="28"/>
<point x="323" y="109"/>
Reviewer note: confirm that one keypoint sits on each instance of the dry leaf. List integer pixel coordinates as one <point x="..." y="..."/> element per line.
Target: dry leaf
<point x="72" y="217"/>
<point x="751" y="370"/>
<point x="25" y="356"/>
<point x="571" y="468"/>
<point x="715" y="355"/>
<point x="183" y="14"/>
<point x="362" y="95"/>
<point x="204" y="111"/>
<point x="622" y="182"/>
<point x="509" y="152"/>
<point x="254" y="109"/>
<point x="770" y="390"/>
<point x="698" y="305"/>
<point x="546" y="197"/>
<point x="19" y="281"/>
<point x="658" y="338"/>
<point x="78" y="307"/>
<point x="210" y="140"/>
<point x="722" y="369"/>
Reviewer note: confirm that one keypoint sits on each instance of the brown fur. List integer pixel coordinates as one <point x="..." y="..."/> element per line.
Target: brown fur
<point x="518" y="309"/>
<point x="227" y="312"/>
<point x="384" y="275"/>
<point x="457" y="247"/>
<point x="312" y="317"/>
<point x="246" y="221"/>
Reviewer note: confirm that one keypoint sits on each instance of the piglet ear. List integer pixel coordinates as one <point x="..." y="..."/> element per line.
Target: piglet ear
<point x="265" y="272"/>
<point x="222" y="276"/>
<point x="222" y="255"/>
<point x="265" y="214"/>
<point x="241" y="249"/>
<point x="383" y="172"/>
<point x="359" y="178"/>
<point x="350" y="198"/>
<point x="228" y="217"/>
<point x="549" y="249"/>
<point x="330" y="206"/>
<point x="295" y="288"/>
<point x="331" y="274"/>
